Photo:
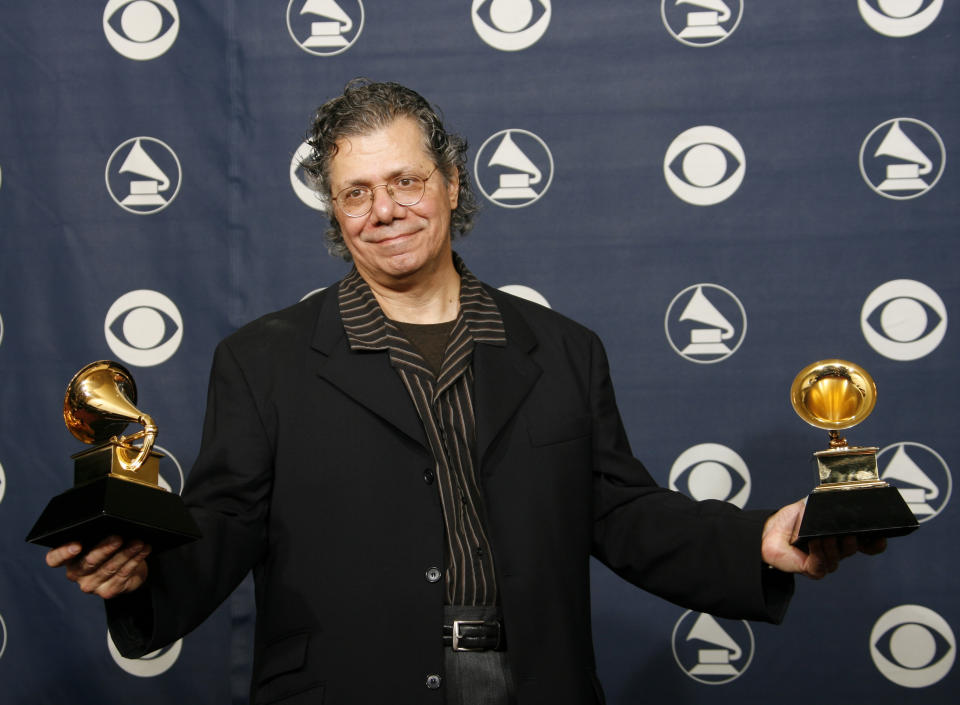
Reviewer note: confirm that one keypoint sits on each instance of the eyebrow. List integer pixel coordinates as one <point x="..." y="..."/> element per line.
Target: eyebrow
<point x="391" y="175"/>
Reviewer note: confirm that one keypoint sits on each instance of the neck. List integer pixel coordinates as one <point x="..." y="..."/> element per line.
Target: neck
<point x="435" y="300"/>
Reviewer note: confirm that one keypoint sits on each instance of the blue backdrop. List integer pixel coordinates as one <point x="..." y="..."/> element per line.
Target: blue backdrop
<point x="742" y="187"/>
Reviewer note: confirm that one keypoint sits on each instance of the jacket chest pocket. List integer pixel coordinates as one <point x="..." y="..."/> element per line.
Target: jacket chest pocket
<point x="550" y="430"/>
<point x="281" y="679"/>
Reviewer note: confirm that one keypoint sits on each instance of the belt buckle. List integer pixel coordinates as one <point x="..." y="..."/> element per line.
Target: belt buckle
<point x="457" y="635"/>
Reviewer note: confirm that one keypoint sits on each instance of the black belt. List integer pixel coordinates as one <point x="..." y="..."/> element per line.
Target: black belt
<point x="475" y="635"/>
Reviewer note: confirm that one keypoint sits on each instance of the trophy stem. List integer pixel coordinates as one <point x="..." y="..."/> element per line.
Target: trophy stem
<point x="836" y="440"/>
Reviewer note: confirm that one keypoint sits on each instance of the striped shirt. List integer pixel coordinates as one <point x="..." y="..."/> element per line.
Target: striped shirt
<point x="444" y="403"/>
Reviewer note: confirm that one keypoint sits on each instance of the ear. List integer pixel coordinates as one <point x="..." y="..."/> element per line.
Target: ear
<point x="453" y="188"/>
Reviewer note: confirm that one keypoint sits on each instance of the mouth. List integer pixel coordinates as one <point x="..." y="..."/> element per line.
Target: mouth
<point x="390" y="238"/>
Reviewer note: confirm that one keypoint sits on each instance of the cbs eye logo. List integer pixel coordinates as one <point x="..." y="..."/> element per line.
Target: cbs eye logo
<point x="143" y="328"/>
<point x="510" y="25"/>
<point x="327" y="29"/>
<point x="903" y="319"/>
<point x="526" y="292"/>
<point x="711" y="471"/>
<point x="141" y="29"/>
<point x="899" y="18"/>
<point x="153" y="664"/>
<point x="301" y="188"/>
<point x="704" y="165"/>
<point x="912" y="646"/>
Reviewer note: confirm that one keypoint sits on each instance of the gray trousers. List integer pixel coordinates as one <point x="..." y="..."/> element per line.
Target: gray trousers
<point x="476" y="677"/>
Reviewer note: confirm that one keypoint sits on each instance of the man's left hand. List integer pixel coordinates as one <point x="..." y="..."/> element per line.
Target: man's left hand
<point x="823" y="555"/>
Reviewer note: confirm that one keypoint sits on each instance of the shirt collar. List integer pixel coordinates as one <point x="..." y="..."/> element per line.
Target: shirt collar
<point x="368" y="328"/>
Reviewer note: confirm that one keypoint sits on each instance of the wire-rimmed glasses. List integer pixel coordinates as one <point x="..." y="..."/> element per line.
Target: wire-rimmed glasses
<point x="405" y="190"/>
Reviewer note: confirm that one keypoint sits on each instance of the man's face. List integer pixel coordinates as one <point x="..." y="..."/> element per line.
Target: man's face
<point x="394" y="244"/>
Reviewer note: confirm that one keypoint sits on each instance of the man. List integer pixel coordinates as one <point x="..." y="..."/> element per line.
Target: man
<point x="413" y="463"/>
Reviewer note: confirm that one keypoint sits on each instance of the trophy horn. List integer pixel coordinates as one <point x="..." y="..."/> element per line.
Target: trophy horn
<point x="833" y="395"/>
<point x="100" y="403"/>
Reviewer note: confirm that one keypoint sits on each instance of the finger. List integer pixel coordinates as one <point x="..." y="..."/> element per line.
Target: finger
<point x="90" y="580"/>
<point x="848" y="546"/>
<point x="129" y="576"/>
<point x="873" y="546"/>
<point x="816" y="562"/>
<point x="96" y="556"/>
<point x="831" y="553"/>
<point x="56" y="557"/>
<point x="90" y="562"/>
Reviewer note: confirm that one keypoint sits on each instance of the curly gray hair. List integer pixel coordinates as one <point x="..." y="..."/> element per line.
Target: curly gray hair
<point x="366" y="107"/>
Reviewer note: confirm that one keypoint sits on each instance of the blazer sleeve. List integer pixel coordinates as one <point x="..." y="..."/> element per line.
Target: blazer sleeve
<point x="228" y="493"/>
<point x="702" y="555"/>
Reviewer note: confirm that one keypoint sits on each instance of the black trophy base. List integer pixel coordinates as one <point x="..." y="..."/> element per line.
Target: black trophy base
<point x="111" y="506"/>
<point x="867" y="513"/>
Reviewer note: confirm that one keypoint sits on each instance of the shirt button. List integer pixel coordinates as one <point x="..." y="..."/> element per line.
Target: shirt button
<point x="433" y="682"/>
<point x="428" y="476"/>
<point x="433" y="575"/>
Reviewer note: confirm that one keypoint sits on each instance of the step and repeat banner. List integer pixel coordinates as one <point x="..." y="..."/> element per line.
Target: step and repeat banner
<point x="725" y="190"/>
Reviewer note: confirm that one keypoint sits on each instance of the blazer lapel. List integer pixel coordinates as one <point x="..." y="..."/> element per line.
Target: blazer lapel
<point x="503" y="376"/>
<point x="365" y="377"/>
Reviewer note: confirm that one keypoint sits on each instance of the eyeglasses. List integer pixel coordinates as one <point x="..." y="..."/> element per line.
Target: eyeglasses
<point x="405" y="190"/>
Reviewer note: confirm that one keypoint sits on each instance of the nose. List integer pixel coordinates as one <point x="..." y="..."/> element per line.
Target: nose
<point x="384" y="209"/>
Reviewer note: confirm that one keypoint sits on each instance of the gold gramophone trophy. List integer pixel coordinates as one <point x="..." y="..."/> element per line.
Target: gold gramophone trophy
<point x="116" y="489"/>
<point x="851" y="499"/>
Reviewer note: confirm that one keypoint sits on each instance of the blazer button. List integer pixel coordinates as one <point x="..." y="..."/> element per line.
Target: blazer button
<point x="433" y="682"/>
<point x="428" y="476"/>
<point x="433" y="575"/>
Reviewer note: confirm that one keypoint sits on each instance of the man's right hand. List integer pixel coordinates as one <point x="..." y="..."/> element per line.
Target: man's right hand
<point x="109" y="569"/>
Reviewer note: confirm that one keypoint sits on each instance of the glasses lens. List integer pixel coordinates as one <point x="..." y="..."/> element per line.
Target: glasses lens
<point x="355" y="201"/>
<point x="407" y="190"/>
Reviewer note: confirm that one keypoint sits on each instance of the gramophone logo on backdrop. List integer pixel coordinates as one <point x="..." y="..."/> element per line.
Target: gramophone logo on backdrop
<point x="325" y="27"/>
<point x="707" y="23"/>
<point x="3" y="636"/>
<point x="1" y="330"/>
<point x="902" y="158"/>
<point x="711" y="650"/>
<point x="510" y="25"/>
<point x="513" y="168"/>
<point x="143" y="175"/>
<point x="903" y="319"/>
<point x="298" y="181"/>
<point x="141" y="29"/>
<point x="704" y="165"/>
<point x="705" y="323"/>
<point x="3" y="483"/>
<point x="711" y="471"/>
<point x="899" y="18"/>
<point x="921" y="475"/>
<point x="912" y="646"/>
<point x="153" y="664"/>
<point x="143" y="328"/>
<point x="526" y="292"/>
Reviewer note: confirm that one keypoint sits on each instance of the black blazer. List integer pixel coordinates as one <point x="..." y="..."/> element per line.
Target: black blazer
<point x="312" y="474"/>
